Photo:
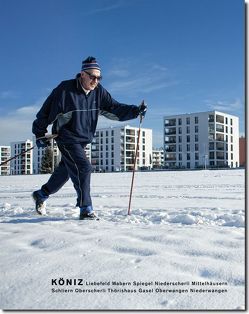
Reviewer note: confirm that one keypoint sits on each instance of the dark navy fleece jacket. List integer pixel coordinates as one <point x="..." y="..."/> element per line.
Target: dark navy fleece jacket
<point x="74" y="114"/>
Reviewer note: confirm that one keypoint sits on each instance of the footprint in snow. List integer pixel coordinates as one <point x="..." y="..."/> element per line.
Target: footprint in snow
<point x="134" y="251"/>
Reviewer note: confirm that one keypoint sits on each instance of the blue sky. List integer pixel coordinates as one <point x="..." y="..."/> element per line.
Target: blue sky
<point x="180" y="56"/>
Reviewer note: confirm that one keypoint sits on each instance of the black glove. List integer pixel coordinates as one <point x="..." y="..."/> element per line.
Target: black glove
<point x="42" y="142"/>
<point x="142" y="109"/>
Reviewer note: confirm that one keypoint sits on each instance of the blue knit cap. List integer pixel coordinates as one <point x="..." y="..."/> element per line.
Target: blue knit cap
<point x="90" y="63"/>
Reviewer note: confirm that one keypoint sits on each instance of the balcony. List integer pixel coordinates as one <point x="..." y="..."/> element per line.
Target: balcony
<point x="130" y="139"/>
<point x="220" y="137"/>
<point x="170" y="139"/>
<point x="211" y="118"/>
<point x="171" y="131"/>
<point x="220" y="146"/>
<point x="170" y="122"/>
<point x="130" y="132"/>
<point x="170" y="157"/>
<point x="170" y="148"/>
<point x="129" y="161"/>
<point x="220" y="119"/>
<point x="95" y="147"/>
<point x="211" y="137"/>
<point x="220" y="155"/>
<point x="130" y="146"/>
<point x="211" y="128"/>
<point x="220" y="128"/>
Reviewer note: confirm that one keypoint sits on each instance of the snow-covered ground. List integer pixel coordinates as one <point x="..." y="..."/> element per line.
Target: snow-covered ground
<point x="181" y="248"/>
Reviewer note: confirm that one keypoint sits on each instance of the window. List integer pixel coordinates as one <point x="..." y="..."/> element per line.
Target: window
<point x="179" y="139"/>
<point x="179" y="148"/>
<point x="196" y="147"/>
<point x="196" y="129"/>
<point x="196" y="156"/>
<point x="231" y="130"/>
<point x="226" y="120"/>
<point x="180" y="156"/>
<point x="188" y="120"/>
<point x="179" y="121"/>
<point x="211" y="155"/>
<point x="231" y="147"/>
<point x="196" y="120"/>
<point x="188" y="147"/>
<point x="231" y="139"/>
<point x="188" y="156"/>
<point x="180" y="130"/>
<point x="188" y="138"/>
<point x="196" y="138"/>
<point x="188" y="129"/>
<point x="231" y="121"/>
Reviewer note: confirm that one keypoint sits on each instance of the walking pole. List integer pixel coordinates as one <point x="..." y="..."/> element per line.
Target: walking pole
<point x="14" y="157"/>
<point x="50" y="136"/>
<point x="135" y="162"/>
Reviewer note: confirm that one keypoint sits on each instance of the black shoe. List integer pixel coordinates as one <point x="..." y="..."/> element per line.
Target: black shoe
<point x="88" y="216"/>
<point x="40" y="202"/>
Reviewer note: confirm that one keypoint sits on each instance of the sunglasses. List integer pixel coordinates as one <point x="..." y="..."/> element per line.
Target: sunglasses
<point x="93" y="77"/>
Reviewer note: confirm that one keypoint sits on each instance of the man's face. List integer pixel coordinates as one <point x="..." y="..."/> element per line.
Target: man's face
<point x="90" y="78"/>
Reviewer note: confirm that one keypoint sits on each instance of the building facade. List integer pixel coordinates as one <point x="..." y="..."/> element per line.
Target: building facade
<point x="242" y="151"/>
<point x="22" y="164"/>
<point x="201" y="140"/>
<point x="5" y="153"/>
<point x="113" y="149"/>
<point x="157" y="158"/>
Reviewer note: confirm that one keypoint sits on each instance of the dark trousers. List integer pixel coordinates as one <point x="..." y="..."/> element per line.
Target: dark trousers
<point x="76" y="166"/>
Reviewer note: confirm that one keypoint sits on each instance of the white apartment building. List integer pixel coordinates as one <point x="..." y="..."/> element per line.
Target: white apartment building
<point x="113" y="149"/>
<point x="5" y="153"/>
<point x="88" y="150"/>
<point x="157" y="158"/>
<point x="203" y="139"/>
<point x="24" y="163"/>
<point x="38" y="154"/>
